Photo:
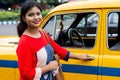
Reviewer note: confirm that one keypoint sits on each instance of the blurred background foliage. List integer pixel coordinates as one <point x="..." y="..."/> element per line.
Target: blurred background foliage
<point x="10" y="9"/>
<point x="9" y="15"/>
<point x="14" y="15"/>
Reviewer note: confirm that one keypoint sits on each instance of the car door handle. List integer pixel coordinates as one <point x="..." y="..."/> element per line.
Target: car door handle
<point x="92" y="58"/>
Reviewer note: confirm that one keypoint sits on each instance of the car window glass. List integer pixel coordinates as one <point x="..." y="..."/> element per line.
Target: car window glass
<point x="63" y="23"/>
<point x="50" y="26"/>
<point x="74" y="29"/>
<point x="113" y="34"/>
<point x="87" y="28"/>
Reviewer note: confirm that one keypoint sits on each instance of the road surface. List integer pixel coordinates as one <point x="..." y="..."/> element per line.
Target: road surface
<point x="8" y="30"/>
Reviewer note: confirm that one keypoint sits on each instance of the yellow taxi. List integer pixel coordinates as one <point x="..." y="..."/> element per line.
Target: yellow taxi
<point x="8" y="58"/>
<point x="91" y="27"/>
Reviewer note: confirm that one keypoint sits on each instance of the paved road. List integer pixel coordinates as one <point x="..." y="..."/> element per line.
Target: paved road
<point x="8" y="30"/>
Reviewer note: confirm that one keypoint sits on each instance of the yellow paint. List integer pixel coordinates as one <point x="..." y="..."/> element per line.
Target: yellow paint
<point x="73" y="76"/>
<point x="8" y="74"/>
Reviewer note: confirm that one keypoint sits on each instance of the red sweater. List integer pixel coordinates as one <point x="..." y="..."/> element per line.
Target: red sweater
<point x="36" y="52"/>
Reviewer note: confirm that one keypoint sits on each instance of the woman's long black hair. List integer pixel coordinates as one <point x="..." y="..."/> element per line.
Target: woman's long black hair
<point x="25" y="8"/>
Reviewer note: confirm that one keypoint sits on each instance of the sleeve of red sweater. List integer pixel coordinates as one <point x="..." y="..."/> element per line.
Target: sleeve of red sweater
<point x="27" y="72"/>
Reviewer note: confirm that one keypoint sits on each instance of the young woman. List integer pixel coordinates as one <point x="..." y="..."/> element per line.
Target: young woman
<point x="35" y="54"/>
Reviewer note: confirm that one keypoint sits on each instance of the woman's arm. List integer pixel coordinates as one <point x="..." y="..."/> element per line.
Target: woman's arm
<point x="51" y="66"/>
<point x="80" y="57"/>
<point x="62" y="52"/>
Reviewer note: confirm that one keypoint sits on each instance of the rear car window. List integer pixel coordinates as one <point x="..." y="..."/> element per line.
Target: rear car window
<point x="113" y="33"/>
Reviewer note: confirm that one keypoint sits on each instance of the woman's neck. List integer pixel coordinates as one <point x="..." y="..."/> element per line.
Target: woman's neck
<point x="32" y="32"/>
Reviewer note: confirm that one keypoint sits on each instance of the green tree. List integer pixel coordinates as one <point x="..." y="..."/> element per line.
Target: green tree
<point x="50" y="2"/>
<point x="8" y="3"/>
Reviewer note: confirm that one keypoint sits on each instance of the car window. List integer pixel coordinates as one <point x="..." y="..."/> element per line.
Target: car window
<point x="87" y="28"/>
<point x="74" y="29"/>
<point x="89" y="24"/>
<point x="63" y="23"/>
<point x="53" y="24"/>
<point x="50" y="26"/>
<point x="113" y="27"/>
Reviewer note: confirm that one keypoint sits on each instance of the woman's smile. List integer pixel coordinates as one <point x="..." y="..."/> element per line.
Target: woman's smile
<point x="36" y="22"/>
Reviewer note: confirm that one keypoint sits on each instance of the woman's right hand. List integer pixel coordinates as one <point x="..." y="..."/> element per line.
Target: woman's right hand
<point x="53" y="65"/>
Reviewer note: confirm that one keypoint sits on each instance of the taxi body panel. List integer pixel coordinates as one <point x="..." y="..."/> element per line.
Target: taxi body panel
<point x="110" y="61"/>
<point x="88" y="4"/>
<point x="98" y="30"/>
<point x="8" y="59"/>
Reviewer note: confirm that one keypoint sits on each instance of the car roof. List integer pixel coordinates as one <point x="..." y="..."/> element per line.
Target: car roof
<point x="88" y="4"/>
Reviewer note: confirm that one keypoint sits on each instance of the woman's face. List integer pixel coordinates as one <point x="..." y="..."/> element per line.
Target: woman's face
<point x="33" y="17"/>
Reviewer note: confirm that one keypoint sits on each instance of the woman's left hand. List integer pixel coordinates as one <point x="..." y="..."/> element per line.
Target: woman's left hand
<point x="85" y="57"/>
<point x="81" y="57"/>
